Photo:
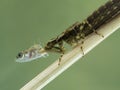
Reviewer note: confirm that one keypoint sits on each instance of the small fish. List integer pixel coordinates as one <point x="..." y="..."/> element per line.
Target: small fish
<point x="30" y="54"/>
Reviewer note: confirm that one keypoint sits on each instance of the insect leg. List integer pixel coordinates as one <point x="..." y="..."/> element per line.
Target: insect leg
<point x="62" y="51"/>
<point x="97" y="33"/>
<point x="60" y="58"/>
<point x="82" y="42"/>
<point x="80" y="37"/>
<point x="82" y="47"/>
<point x="86" y="21"/>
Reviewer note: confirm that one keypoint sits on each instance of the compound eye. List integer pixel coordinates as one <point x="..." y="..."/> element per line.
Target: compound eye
<point x="20" y="55"/>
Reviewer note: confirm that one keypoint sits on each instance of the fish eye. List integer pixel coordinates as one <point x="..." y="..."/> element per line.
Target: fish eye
<point x="20" y="55"/>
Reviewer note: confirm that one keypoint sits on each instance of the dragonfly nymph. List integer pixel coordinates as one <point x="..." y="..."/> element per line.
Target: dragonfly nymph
<point x="77" y="32"/>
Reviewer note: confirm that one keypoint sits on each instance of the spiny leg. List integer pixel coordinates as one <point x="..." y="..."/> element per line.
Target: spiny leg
<point x="62" y="52"/>
<point x="98" y="33"/>
<point x="82" y="42"/>
<point x="59" y="50"/>
<point x="86" y="21"/>
<point x="82" y="47"/>
<point x="80" y="37"/>
<point x="60" y="58"/>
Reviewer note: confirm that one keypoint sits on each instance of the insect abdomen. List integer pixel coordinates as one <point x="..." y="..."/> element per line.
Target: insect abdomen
<point x="101" y="16"/>
<point x="104" y="14"/>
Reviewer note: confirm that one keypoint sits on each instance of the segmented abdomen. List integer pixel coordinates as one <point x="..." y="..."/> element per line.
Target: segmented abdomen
<point x="103" y="15"/>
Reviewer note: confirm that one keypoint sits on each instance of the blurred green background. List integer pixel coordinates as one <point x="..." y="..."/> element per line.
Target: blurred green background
<point x="26" y="22"/>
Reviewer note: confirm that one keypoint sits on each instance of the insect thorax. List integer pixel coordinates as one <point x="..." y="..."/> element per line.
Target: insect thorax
<point x="71" y="36"/>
